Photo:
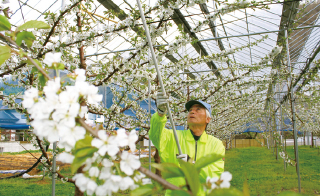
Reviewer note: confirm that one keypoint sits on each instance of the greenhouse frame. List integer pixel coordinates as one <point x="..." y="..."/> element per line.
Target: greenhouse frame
<point x="256" y="63"/>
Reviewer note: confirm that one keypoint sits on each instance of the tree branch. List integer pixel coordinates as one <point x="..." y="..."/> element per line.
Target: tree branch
<point x="157" y="178"/>
<point x="87" y="127"/>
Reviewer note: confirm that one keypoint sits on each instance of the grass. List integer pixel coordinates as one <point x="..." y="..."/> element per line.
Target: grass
<point x="265" y="175"/>
<point x="25" y="152"/>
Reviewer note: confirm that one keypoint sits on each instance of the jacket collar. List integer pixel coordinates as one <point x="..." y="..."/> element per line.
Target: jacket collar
<point x="203" y="138"/>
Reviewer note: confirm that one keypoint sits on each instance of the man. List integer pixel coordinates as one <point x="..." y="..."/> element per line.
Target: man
<point x="194" y="142"/>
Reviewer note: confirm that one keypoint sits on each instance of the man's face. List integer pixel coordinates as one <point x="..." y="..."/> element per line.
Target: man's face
<point x="197" y="115"/>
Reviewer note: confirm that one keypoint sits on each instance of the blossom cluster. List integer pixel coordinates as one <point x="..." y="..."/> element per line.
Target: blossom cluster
<point x="101" y="175"/>
<point x="54" y="111"/>
<point x="286" y="158"/>
<point x="216" y="182"/>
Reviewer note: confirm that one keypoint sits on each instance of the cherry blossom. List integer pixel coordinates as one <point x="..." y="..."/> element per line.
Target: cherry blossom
<point x="226" y="177"/>
<point x="51" y="58"/>
<point x="106" y="144"/>
<point x="222" y="182"/>
<point x="94" y="171"/>
<point x="129" y="162"/>
<point x="52" y="87"/>
<point x="30" y="96"/>
<point x="65" y="157"/>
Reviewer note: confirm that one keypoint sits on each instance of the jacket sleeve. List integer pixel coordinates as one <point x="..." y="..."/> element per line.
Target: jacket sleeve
<point x="158" y="133"/>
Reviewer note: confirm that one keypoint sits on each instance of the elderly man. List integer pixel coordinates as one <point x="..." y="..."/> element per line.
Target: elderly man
<point x="194" y="142"/>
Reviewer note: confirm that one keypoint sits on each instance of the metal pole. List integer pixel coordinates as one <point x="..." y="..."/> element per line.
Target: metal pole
<point x="267" y="133"/>
<point x="293" y="111"/>
<point x="276" y="129"/>
<point x="149" y="86"/>
<point x="272" y="127"/>
<point x="149" y="107"/>
<point x="159" y="74"/>
<point x="53" y="192"/>
<point x="54" y="168"/>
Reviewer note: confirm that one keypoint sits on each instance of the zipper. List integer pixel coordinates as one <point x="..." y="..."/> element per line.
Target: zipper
<point x="195" y="156"/>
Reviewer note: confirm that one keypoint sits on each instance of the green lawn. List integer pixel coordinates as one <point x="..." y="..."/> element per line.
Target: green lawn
<point x="265" y="175"/>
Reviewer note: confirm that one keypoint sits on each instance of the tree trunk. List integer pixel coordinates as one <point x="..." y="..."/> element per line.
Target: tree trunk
<point x="77" y="191"/>
<point x="157" y="160"/>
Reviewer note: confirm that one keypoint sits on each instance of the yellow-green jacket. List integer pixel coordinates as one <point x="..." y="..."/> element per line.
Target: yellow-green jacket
<point x="163" y="139"/>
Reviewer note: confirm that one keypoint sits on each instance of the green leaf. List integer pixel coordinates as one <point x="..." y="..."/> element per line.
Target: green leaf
<point x="85" y="142"/>
<point x="42" y="79"/>
<point x="226" y="192"/>
<point x="180" y="193"/>
<point x="5" y="53"/>
<point x="142" y="190"/>
<point x="4" y="23"/>
<point x="28" y="37"/>
<point x="33" y="24"/>
<point x="85" y="151"/>
<point x="59" y="66"/>
<point x="168" y="170"/>
<point x="77" y="162"/>
<point x="207" y="160"/>
<point x="192" y="176"/>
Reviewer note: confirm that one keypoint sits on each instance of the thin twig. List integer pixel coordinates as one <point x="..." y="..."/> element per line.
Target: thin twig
<point x="30" y="59"/>
<point x="44" y="153"/>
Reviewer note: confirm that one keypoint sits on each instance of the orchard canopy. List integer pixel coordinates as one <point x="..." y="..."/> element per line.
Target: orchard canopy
<point x="231" y="54"/>
<point x="255" y="62"/>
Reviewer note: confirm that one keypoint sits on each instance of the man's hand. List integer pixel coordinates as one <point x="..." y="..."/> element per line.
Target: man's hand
<point x="161" y="103"/>
<point x="183" y="157"/>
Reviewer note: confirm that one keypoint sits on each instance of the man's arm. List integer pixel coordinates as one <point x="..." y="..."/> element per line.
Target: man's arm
<point x="157" y="126"/>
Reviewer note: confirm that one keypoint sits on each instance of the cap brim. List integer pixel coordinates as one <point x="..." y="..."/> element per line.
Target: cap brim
<point x="189" y="104"/>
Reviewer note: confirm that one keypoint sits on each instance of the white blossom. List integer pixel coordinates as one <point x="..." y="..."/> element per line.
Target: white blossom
<point x="129" y="162"/>
<point x="52" y="87"/>
<point x="65" y="157"/>
<point x="126" y="183"/>
<point x="29" y="97"/>
<point x="91" y="187"/>
<point x="226" y="177"/>
<point x="81" y="181"/>
<point x="94" y="172"/>
<point x="105" y="144"/>
<point x="222" y="182"/>
<point x="50" y="58"/>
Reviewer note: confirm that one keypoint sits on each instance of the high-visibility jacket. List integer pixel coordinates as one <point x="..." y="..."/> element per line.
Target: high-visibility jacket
<point x="163" y="139"/>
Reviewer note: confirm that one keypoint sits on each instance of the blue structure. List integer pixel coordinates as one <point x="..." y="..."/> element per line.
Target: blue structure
<point x="11" y="119"/>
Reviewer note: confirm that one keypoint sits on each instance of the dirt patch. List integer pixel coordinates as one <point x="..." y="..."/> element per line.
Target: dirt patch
<point x="19" y="162"/>
<point x="25" y="161"/>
